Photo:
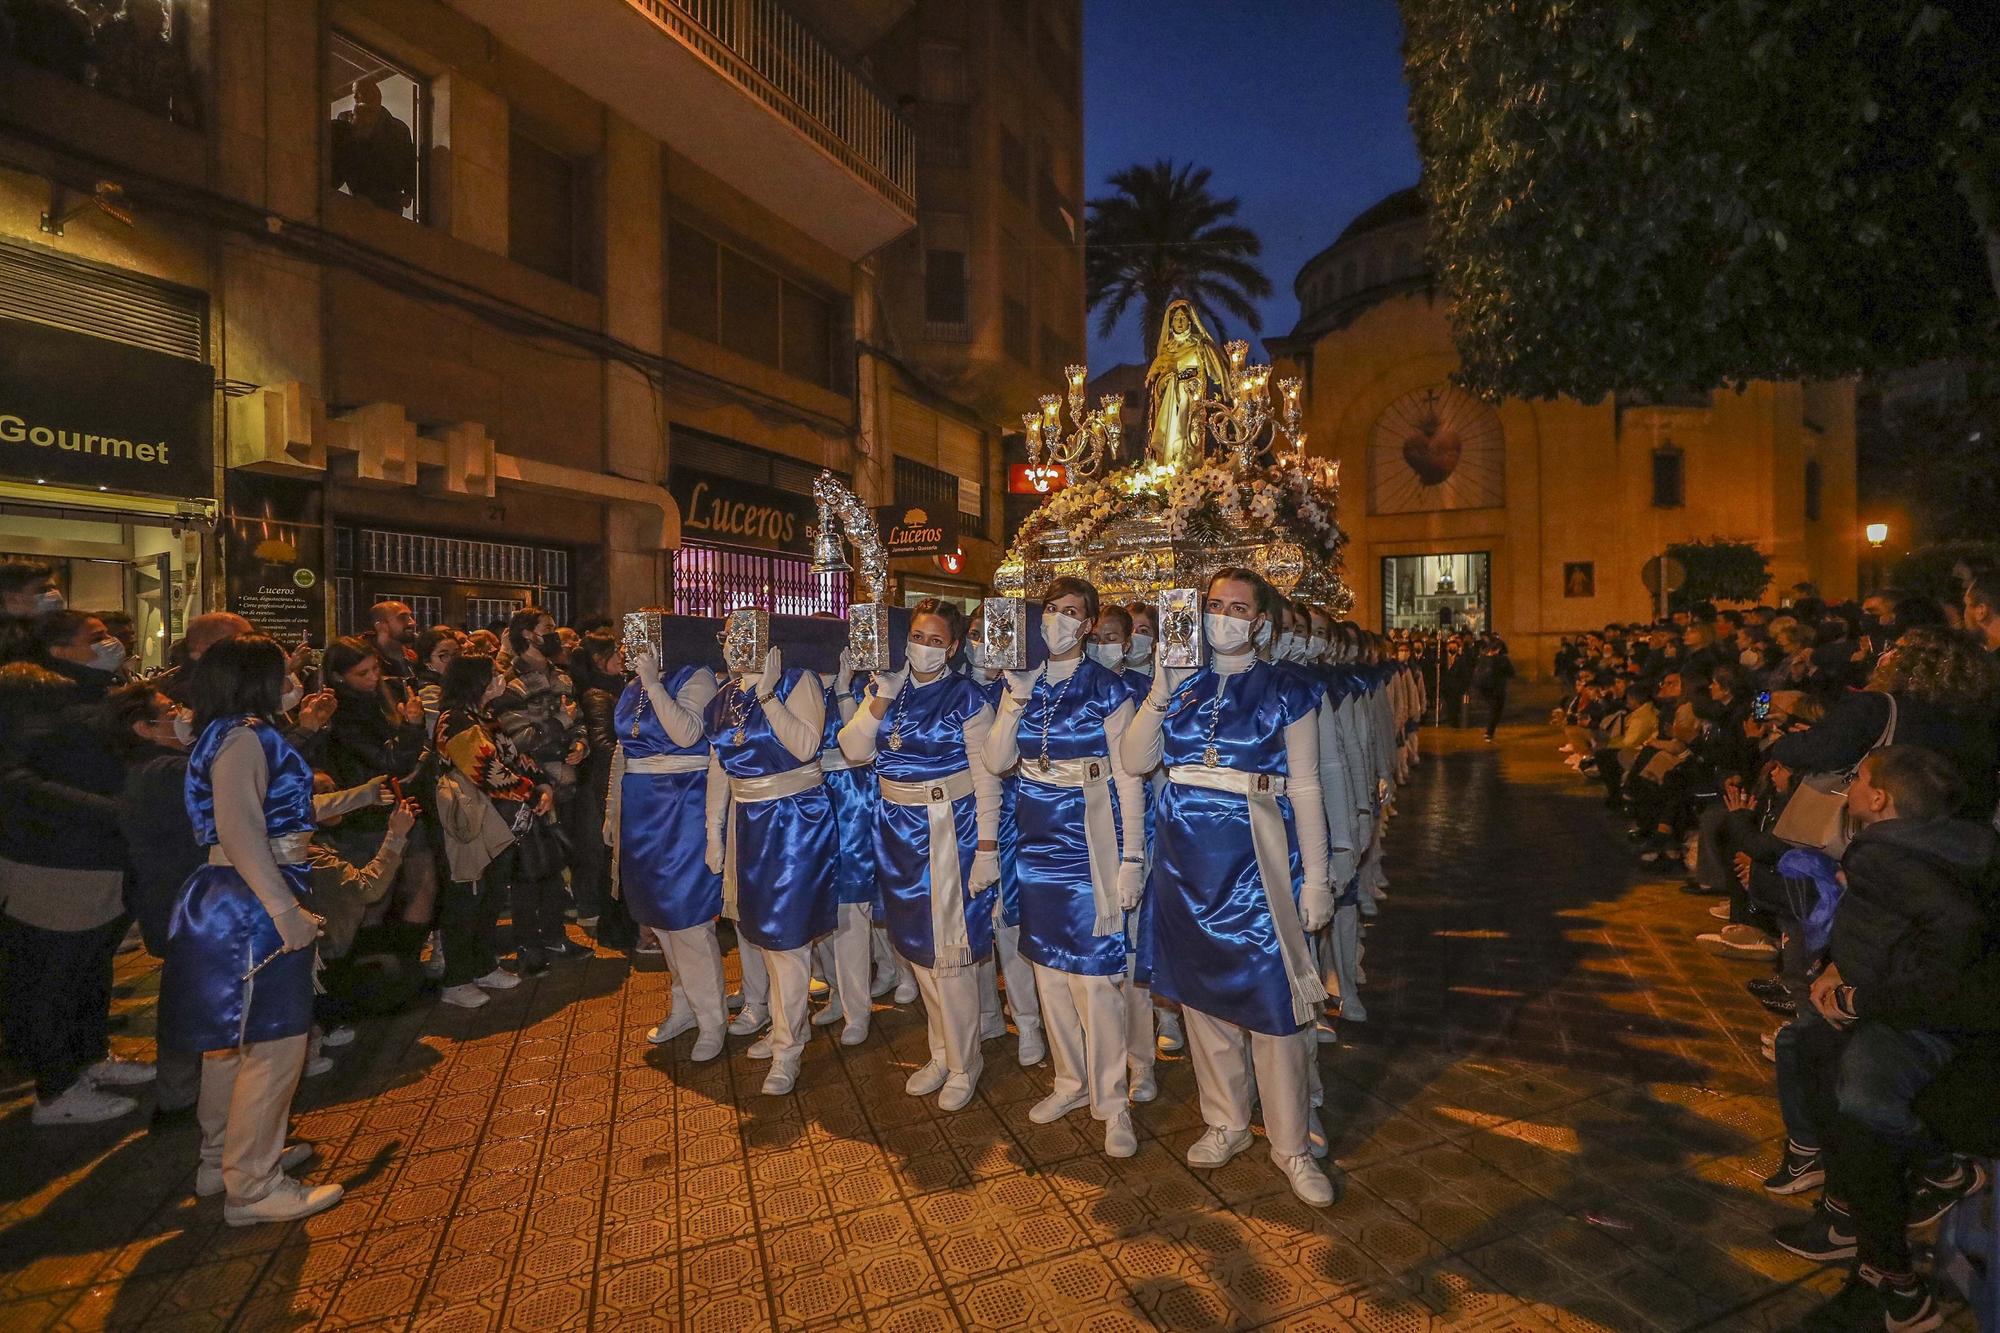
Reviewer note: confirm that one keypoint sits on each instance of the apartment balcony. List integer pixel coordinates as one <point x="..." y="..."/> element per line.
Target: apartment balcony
<point x="743" y="89"/>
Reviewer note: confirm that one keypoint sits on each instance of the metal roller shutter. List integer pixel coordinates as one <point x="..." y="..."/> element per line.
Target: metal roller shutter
<point x="66" y="293"/>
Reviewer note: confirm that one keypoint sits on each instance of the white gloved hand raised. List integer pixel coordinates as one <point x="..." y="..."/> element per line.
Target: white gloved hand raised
<point x="985" y="871"/>
<point x="774" y="672"/>
<point x="646" y="663"/>
<point x="1021" y="687"/>
<point x="889" y="684"/>
<point x="1131" y="884"/>
<point x="843" y="673"/>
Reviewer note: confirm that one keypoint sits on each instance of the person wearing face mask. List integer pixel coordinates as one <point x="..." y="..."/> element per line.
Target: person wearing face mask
<point x="1022" y="1003"/>
<point x="28" y="592"/>
<point x="1139" y="668"/>
<point x="1233" y="913"/>
<point x="1145" y="635"/>
<point x="1082" y="855"/>
<point x="850" y="788"/>
<point x="771" y="837"/>
<point x="654" y="823"/>
<point x="936" y="837"/>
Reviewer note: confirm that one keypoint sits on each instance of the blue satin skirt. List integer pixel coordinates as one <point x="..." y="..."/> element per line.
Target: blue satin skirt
<point x="218" y="932"/>
<point x="903" y="855"/>
<point x="853" y="793"/>
<point x="663" y="870"/>
<point x="1139" y="924"/>
<point x="785" y="869"/>
<point x="1214" y="945"/>
<point x="1009" y="841"/>
<point x="1058" y="908"/>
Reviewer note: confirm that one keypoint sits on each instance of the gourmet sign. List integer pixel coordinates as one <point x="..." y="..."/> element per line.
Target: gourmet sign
<point x="81" y="411"/>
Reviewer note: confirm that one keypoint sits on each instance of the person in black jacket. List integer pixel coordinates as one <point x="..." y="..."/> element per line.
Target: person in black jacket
<point x="597" y="669"/>
<point x="1910" y="928"/>
<point x="1490" y="674"/>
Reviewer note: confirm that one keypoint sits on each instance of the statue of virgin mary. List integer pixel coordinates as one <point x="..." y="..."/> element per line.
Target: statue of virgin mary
<point x="1185" y="364"/>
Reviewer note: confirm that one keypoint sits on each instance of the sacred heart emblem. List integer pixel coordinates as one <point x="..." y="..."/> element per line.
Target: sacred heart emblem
<point x="1432" y="450"/>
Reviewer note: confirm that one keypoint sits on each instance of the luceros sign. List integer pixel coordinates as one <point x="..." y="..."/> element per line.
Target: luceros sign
<point x="81" y="411"/>
<point x="735" y="513"/>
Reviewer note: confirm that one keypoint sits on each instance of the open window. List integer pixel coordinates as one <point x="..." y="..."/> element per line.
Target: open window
<point x="381" y="114"/>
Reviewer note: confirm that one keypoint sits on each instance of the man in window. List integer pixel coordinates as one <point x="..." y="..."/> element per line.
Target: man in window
<point x="374" y="157"/>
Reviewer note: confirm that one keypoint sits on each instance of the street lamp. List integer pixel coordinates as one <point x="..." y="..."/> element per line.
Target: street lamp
<point x="1878" y="534"/>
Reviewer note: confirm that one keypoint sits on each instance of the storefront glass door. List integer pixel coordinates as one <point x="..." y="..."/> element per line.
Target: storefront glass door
<point x="1447" y="591"/>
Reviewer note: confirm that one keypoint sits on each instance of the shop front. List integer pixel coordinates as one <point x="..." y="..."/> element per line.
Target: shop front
<point x="746" y="540"/>
<point x="107" y="469"/>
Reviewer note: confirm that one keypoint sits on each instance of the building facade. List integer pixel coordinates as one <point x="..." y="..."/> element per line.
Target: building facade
<point x="1537" y="518"/>
<point x="481" y="302"/>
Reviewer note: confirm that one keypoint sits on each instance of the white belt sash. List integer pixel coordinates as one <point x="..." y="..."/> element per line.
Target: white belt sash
<point x="667" y="763"/>
<point x="1092" y="777"/>
<point x="1260" y="792"/>
<point x="949" y="947"/>
<point x="831" y="760"/>
<point x="290" y="850"/>
<point x="751" y="791"/>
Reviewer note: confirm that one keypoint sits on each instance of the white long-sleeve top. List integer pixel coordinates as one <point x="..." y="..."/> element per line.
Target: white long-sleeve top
<point x="239" y="779"/>
<point x="1337" y="793"/>
<point x="1141" y="747"/>
<point x="797" y="723"/>
<point x="858" y="736"/>
<point x="1003" y="752"/>
<point x="681" y="714"/>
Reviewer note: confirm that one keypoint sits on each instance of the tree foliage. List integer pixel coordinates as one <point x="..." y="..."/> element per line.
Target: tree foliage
<point x="1163" y="235"/>
<point x="1719" y="569"/>
<point x="1673" y="195"/>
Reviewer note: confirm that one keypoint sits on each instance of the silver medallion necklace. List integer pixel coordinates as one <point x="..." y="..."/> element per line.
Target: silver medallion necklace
<point x="1211" y="756"/>
<point x="896" y="726"/>
<point x="739" y="712"/>
<point x="1049" y="711"/>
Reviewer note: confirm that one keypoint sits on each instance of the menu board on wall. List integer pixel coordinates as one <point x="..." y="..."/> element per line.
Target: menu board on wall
<point x="274" y="547"/>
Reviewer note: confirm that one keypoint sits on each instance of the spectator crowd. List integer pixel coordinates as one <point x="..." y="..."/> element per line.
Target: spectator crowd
<point x="1823" y="775"/>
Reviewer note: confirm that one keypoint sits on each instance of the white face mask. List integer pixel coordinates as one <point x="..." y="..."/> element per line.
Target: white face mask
<point x="294" y="693"/>
<point x="1315" y="648"/>
<point x="1288" y="648"/>
<point x="1060" y="633"/>
<point x="1226" y="634"/>
<point x="926" y="658"/>
<point x="1110" y="656"/>
<point x="1140" y="650"/>
<point x="51" y="600"/>
<point x="184" y="728"/>
<point x="107" y="654"/>
<point x="975" y="656"/>
<point x="1263" y="634"/>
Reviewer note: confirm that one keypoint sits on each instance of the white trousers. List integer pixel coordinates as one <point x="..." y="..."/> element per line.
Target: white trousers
<point x="756" y="984"/>
<point x="244" y="1108"/>
<point x="696" y="959"/>
<point x="1343" y="950"/>
<point x="846" y="961"/>
<point x="951" y="1015"/>
<point x="789" y="973"/>
<point x="1227" y="1057"/>
<point x="1084" y="1019"/>
<point x="1141" y="1037"/>
<point x="1022" y="1006"/>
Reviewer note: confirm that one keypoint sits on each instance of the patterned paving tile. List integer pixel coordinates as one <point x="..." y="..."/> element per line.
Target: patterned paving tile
<point x="1549" y="1122"/>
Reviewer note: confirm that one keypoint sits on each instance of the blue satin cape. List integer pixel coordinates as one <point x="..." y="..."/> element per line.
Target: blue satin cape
<point x="1058" y="906"/>
<point x="663" y="873"/>
<point x="934" y="718"/>
<point x="220" y="931"/>
<point x="1215" y="947"/>
<point x="852" y="792"/>
<point x="786" y="848"/>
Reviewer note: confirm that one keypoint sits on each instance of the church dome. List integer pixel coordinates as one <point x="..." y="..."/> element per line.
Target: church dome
<point x="1378" y="255"/>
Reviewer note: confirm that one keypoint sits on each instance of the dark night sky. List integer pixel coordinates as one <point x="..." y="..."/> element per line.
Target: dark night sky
<point x="1297" y="105"/>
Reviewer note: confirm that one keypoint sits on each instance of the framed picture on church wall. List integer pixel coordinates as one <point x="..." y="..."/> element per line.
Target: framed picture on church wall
<point x="1580" y="578"/>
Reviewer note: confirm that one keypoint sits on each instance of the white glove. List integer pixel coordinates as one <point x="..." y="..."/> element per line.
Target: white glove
<point x="774" y="672"/>
<point x="1316" y="908"/>
<point x="843" y="674"/>
<point x="1021" y="687"/>
<point x="985" y="871"/>
<point x="1131" y="884"/>
<point x="647" y="664"/>
<point x="714" y="857"/>
<point x="1163" y="688"/>
<point x="889" y="684"/>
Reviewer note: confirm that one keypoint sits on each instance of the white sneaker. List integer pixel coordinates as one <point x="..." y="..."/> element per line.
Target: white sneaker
<point x="1055" y="1106"/>
<point x="1170" y="1038"/>
<point x="1032" y="1048"/>
<point x="780" y="1080"/>
<point x="906" y="991"/>
<point x="854" y="1033"/>
<point x="831" y="1014"/>
<point x="885" y="981"/>
<point x="957" y="1092"/>
<point x="1307" y="1180"/>
<point x="466" y="995"/>
<point x="338" y="1036"/>
<point x="1217" y="1146"/>
<point x="208" y="1179"/>
<point x="319" y="1064"/>
<point x="754" y="1018"/>
<point x="760" y="1049"/>
<point x="926" y="1080"/>
<point x="498" y="979"/>
<point x="1142" y="1087"/>
<point x="116" y="1073"/>
<point x="1119" y="1139"/>
<point x="671" y="1026"/>
<point x="287" y="1202"/>
<point x="81" y="1104"/>
<point x="706" y="1047"/>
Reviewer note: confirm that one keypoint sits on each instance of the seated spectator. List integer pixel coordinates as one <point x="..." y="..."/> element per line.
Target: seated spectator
<point x="1617" y="748"/>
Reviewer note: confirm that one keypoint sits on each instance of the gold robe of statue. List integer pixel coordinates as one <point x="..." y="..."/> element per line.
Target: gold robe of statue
<point x="1185" y="363"/>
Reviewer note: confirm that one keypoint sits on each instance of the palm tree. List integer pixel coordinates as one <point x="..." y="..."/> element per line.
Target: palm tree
<point x="1162" y="236"/>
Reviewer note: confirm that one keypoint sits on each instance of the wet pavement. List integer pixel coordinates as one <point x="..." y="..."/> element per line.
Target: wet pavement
<point x="1556" y="1117"/>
